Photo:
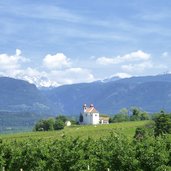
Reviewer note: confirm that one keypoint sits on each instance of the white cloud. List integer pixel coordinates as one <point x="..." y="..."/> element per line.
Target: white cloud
<point x="137" y="68"/>
<point x="9" y="62"/>
<point x="165" y="54"/>
<point x="105" y="61"/>
<point x="133" y="68"/>
<point x="59" y="70"/>
<point x="121" y="75"/>
<point x="56" y="70"/>
<point x="131" y="57"/>
<point x="18" y="52"/>
<point x="57" y="61"/>
<point x="143" y="67"/>
<point x="71" y="75"/>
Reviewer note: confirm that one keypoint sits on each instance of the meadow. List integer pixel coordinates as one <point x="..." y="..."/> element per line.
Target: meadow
<point x="82" y="131"/>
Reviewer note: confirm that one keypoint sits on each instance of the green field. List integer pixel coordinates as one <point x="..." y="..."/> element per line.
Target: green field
<point x="82" y="131"/>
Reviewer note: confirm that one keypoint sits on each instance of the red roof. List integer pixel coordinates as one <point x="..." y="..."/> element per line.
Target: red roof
<point x="91" y="110"/>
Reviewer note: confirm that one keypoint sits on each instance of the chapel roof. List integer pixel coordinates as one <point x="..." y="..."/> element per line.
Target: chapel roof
<point x="91" y="110"/>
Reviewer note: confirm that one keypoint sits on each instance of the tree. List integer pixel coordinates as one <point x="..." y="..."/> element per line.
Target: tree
<point x="121" y="116"/>
<point x="140" y="133"/>
<point x="50" y="124"/>
<point x="62" y="118"/>
<point x="138" y="114"/>
<point x="144" y="116"/>
<point x="39" y="126"/>
<point x="45" y="125"/>
<point x="162" y="124"/>
<point x="59" y="124"/>
<point x="152" y="153"/>
<point x="81" y="118"/>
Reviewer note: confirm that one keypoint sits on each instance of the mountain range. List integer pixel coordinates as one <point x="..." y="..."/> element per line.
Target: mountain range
<point x="150" y="93"/>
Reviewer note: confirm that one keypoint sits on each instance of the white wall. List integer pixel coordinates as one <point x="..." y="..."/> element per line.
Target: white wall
<point x="91" y="118"/>
<point x="95" y="118"/>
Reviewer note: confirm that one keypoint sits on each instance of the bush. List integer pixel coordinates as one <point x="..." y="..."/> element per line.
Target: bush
<point x="162" y="124"/>
<point x="50" y="124"/>
<point x="59" y="124"/>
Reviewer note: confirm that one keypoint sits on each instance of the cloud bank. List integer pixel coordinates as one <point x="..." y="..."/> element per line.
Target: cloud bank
<point x="57" y="61"/>
<point x="55" y="70"/>
<point x="134" y="56"/>
<point x="58" y="69"/>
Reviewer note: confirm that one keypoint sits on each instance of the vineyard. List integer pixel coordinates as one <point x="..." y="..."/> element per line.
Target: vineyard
<point x="96" y="148"/>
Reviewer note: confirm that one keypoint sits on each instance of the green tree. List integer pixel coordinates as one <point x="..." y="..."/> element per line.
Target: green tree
<point x="144" y="116"/>
<point x="140" y="133"/>
<point x="138" y="114"/>
<point x="59" y="124"/>
<point x="45" y="125"/>
<point x="50" y="124"/>
<point x="163" y="168"/>
<point x="81" y="118"/>
<point x="121" y="116"/>
<point x="62" y="118"/>
<point x="152" y="153"/>
<point x="162" y="124"/>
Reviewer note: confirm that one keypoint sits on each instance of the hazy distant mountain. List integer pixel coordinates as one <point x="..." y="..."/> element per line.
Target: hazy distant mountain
<point x="151" y="93"/>
<point x="19" y="95"/>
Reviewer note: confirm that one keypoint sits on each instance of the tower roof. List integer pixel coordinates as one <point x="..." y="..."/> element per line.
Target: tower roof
<point x="91" y="109"/>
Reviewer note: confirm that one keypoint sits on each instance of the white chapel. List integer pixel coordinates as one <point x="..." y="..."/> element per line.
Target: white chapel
<point x="90" y="115"/>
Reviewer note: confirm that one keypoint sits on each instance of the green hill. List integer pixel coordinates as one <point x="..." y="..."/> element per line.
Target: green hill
<point x="84" y="131"/>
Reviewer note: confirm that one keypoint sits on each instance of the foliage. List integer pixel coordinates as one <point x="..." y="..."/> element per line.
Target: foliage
<point x="115" y="152"/>
<point x="140" y="133"/>
<point x="144" y="131"/>
<point x="81" y="118"/>
<point x="45" y="125"/>
<point x="83" y="131"/>
<point x="163" y="168"/>
<point x="152" y="153"/>
<point x="121" y="116"/>
<point x="62" y="118"/>
<point x="135" y="114"/>
<point x="51" y="124"/>
<point x="59" y="124"/>
<point x="162" y="124"/>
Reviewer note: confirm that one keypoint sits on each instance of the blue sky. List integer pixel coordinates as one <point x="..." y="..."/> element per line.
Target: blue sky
<point x="60" y="42"/>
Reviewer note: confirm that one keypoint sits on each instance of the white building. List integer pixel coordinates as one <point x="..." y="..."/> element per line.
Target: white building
<point x="90" y="115"/>
<point x="104" y="120"/>
<point x="68" y="123"/>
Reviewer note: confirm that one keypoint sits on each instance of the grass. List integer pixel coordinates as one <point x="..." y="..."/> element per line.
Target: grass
<point x="83" y="131"/>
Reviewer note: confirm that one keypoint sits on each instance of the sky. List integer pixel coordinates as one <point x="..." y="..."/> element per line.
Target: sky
<point x="58" y="42"/>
